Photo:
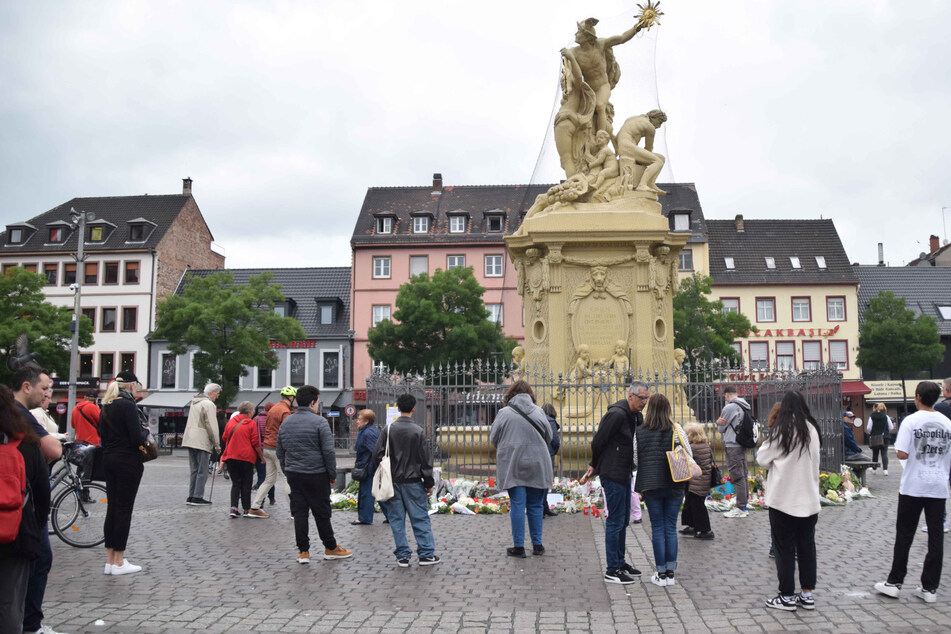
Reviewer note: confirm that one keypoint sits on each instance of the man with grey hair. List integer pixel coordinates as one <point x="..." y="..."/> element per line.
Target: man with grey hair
<point x="612" y="458"/>
<point x="201" y="438"/>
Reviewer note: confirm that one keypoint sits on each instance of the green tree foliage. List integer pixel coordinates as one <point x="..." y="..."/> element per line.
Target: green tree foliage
<point x="441" y="320"/>
<point x="701" y="327"/>
<point x="232" y="326"/>
<point x="24" y="309"/>
<point x="892" y="338"/>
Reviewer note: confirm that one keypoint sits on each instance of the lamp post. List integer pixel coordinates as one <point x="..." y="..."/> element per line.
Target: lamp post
<point x="78" y="219"/>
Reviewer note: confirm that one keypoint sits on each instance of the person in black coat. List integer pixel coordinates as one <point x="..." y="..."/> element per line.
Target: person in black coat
<point x="554" y="445"/>
<point x="122" y="432"/>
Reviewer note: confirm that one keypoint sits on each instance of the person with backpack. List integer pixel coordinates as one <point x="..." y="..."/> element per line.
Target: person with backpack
<point x="242" y="447"/>
<point x="85" y="419"/>
<point x="735" y="425"/>
<point x="24" y="489"/>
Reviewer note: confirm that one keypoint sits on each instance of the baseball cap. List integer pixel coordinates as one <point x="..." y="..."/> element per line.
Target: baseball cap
<point x="848" y="414"/>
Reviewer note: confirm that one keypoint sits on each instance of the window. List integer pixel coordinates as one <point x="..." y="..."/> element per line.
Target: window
<point x="129" y="318"/>
<point x="686" y="260"/>
<point x="265" y="378"/>
<point x="738" y="347"/>
<point x="420" y="224"/>
<point x="85" y="365"/>
<point x="8" y="269"/>
<point x="495" y="313"/>
<point x="770" y="263"/>
<point x="494" y="224"/>
<point x="69" y="274"/>
<point x="91" y="273"/>
<point x="418" y="264"/>
<point x="765" y="310"/>
<point x="811" y="355"/>
<point x="681" y="222"/>
<point x="95" y="234"/>
<point x="136" y="233"/>
<point x="91" y="314"/>
<point x="839" y="354"/>
<point x="108" y="320"/>
<point x="127" y="362"/>
<point x="457" y="224"/>
<point x="330" y="365"/>
<point x="381" y="267"/>
<point x="801" y="309"/>
<point x="281" y="310"/>
<point x="384" y="225"/>
<point x="454" y="261"/>
<point x="110" y="273"/>
<point x="16" y="236"/>
<point x="326" y="314"/>
<point x="131" y="272"/>
<point x="730" y="304"/>
<point x="298" y="364"/>
<point x="30" y="267"/>
<point x="493" y="266"/>
<point x="835" y="308"/>
<point x="57" y="234"/>
<point x="169" y="370"/>
<point x="759" y="356"/>
<point x="821" y="261"/>
<point x="380" y="313"/>
<point x="943" y="311"/>
<point x="729" y="263"/>
<point x="107" y="365"/>
<point x="795" y="263"/>
<point x="51" y="271"/>
<point x="785" y="355"/>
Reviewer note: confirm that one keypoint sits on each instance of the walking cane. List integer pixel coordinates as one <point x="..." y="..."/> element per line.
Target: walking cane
<point x="212" y="492"/>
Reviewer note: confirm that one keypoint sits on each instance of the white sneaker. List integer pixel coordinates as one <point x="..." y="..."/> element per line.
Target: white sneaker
<point x="926" y="596"/>
<point x="107" y="570"/>
<point x="659" y="579"/>
<point x="888" y="589"/>
<point x="127" y="568"/>
<point x="736" y="512"/>
<point x="885" y="472"/>
<point x="46" y="629"/>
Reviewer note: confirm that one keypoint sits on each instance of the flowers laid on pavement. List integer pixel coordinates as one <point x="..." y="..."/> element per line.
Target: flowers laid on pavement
<point x="835" y="489"/>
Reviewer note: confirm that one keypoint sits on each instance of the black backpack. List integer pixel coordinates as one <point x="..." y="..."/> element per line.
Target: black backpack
<point x="747" y="435"/>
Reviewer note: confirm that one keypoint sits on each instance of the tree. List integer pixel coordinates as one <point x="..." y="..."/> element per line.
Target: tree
<point x="24" y="309"/>
<point x="701" y="327"/>
<point x="893" y="339"/>
<point x="439" y="320"/>
<point x="232" y="326"/>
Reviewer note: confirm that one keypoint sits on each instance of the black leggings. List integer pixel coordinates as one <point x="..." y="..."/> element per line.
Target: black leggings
<point x="123" y="473"/>
<point x="242" y="477"/>
<point x="883" y="452"/>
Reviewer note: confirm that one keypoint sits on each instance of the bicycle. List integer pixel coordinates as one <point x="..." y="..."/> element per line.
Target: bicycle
<point x="78" y="512"/>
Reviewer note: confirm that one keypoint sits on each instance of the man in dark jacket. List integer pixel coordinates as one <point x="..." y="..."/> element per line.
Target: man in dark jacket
<point x="411" y="466"/>
<point x="305" y="450"/>
<point x="612" y="458"/>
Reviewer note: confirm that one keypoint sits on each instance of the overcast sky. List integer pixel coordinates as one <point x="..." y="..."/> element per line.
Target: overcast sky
<point x="284" y="113"/>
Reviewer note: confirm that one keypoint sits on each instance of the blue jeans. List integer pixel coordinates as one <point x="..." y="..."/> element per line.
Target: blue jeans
<point x="527" y="501"/>
<point x="365" y="500"/>
<point x="410" y="499"/>
<point x="663" y="507"/>
<point x="617" y="499"/>
<point x="36" y="588"/>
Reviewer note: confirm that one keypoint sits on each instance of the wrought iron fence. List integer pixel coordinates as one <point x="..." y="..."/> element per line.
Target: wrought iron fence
<point x="457" y="404"/>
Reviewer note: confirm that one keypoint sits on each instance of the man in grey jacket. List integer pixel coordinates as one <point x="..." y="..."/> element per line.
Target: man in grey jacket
<point x="305" y="449"/>
<point x="201" y="437"/>
<point x="727" y="424"/>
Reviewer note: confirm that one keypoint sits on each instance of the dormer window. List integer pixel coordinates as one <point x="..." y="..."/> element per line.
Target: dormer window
<point x="420" y="224"/>
<point x="795" y="263"/>
<point x="16" y="236"/>
<point x="95" y="234"/>
<point x="457" y="224"/>
<point x="137" y="233"/>
<point x="494" y="223"/>
<point x="19" y="233"/>
<point x="57" y="235"/>
<point x="326" y="314"/>
<point x="681" y="222"/>
<point x="945" y="312"/>
<point x="821" y="261"/>
<point x="729" y="263"/>
<point x="99" y="231"/>
<point x="384" y="225"/>
<point x="770" y="263"/>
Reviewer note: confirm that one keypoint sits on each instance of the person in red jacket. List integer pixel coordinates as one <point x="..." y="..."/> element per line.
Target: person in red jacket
<point x="85" y="419"/>
<point x="242" y="449"/>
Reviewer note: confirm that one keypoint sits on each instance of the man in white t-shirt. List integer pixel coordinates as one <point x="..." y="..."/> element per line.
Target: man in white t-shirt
<point x="924" y="439"/>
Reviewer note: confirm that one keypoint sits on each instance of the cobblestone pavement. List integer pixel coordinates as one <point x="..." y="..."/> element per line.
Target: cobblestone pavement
<point x="205" y="572"/>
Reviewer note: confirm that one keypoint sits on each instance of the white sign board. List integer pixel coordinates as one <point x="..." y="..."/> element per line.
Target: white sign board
<point x="392" y="413"/>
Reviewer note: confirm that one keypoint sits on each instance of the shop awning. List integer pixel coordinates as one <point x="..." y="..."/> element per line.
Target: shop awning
<point x="178" y="400"/>
<point x="852" y="388"/>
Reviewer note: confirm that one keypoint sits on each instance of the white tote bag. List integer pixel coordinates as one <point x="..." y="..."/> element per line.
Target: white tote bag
<point x="383" y="479"/>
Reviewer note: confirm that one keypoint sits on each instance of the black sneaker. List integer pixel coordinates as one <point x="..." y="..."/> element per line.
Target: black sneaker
<point x="704" y="535"/>
<point x="618" y="576"/>
<point x="190" y="501"/>
<point x="630" y="570"/>
<point x="234" y="513"/>
<point x="516" y="551"/>
<point x="429" y="561"/>
<point x="780" y="603"/>
<point x="688" y="530"/>
<point x="806" y="603"/>
<point x="200" y="502"/>
<point x="538" y="549"/>
<point x="403" y="562"/>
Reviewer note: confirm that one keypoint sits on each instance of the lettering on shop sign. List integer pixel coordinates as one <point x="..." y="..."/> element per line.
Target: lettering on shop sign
<point x="796" y="332"/>
<point x="306" y="343"/>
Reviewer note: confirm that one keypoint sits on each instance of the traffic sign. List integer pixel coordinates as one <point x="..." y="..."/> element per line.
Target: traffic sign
<point x="61" y="408"/>
<point x="350" y="410"/>
<point x="333" y="414"/>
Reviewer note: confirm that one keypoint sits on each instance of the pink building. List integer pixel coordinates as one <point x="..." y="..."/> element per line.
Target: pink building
<point x="404" y="231"/>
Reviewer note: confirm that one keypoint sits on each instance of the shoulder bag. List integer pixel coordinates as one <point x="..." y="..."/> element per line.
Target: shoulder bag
<point x="530" y="422"/>
<point x="383" y="478"/>
<point x="682" y="466"/>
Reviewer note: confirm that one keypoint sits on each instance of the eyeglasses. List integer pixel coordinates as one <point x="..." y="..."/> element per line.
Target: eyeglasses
<point x="643" y="398"/>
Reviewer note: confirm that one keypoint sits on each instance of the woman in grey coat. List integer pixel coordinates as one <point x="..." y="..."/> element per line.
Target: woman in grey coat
<point x="520" y="434"/>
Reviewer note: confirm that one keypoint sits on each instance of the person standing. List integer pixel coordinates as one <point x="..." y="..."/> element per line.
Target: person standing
<point x="728" y="423"/>
<point x="878" y="425"/>
<point x="695" y="517"/>
<point x="521" y="435"/>
<point x="366" y="440"/>
<point x="242" y="449"/>
<point x="201" y="439"/>
<point x="924" y="440"/>
<point x="122" y="433"/>
<point x="411" y="466"/>
<point x="791" y="454"/>
<point x="553" y="447"/>
<point x="612" y="458"/>
<point x="305" y="449"/>
<point x="42" y="416"/>
<point x="260" y="467"/>
<point x="85" y="419"/>
<point x="275" y="418"/>
<point x="944" y="407"/>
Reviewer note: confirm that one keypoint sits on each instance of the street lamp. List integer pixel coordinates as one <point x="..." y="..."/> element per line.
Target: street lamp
<point x="78" y="219"/>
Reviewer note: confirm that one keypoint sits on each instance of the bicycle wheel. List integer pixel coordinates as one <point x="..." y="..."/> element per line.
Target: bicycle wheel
<point x="80" y="523"/>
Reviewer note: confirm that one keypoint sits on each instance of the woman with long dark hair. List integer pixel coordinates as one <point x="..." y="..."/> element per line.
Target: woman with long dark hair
<point x="791" y="453"/>
<point x="122" y="432"/>
<point x="661" y="494"/>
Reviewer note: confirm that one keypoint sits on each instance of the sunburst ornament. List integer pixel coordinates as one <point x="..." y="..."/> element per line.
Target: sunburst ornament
<point x="649" y="14"/>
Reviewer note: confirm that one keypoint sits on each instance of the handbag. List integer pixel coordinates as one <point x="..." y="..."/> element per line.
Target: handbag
<point x="148" y="451"/>
<point x="359" y="473"/>
<point x="682" y="466"/>
<point x="876" y="440"/>
<point x="383" y="478"/>
<point x="716" y="478"/>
